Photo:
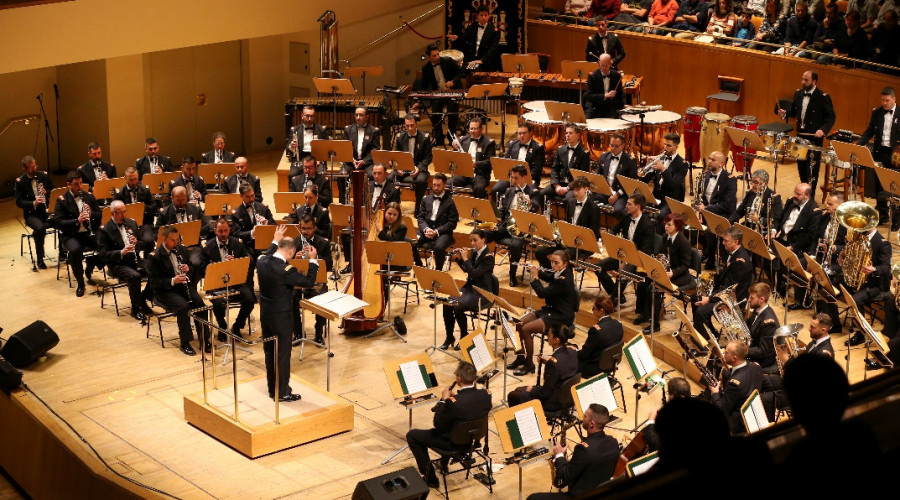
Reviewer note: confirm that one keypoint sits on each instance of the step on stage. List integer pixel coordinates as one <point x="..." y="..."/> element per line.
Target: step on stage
<point x="318" y="415"/>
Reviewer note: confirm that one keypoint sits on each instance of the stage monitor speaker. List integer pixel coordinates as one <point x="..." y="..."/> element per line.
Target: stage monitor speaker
<point x="404" y="484"/>
<point x="10" y="378"/>
<point x="29" y="344"/>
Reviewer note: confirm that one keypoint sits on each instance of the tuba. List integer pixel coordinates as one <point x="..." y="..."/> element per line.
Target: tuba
<point x="728" y="312"/>
<point x="785" y="339"/>
<point x="895" y="271"/>
<point x="859" y="219"/>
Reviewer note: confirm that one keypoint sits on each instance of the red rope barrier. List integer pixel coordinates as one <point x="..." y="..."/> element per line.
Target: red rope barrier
<point x="406" y="24"/>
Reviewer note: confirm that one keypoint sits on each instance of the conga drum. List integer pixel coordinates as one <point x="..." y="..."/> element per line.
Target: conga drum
<point x="596" y="135"/>
<point x="745" y="122"/>
<point x="693" y="124"/>
<point x="649" y="137"/>
<point x="713" y="136"/>
<point x="546" y="131"/>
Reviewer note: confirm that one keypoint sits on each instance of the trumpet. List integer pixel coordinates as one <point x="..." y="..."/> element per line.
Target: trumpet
<point x="647" y="170"/>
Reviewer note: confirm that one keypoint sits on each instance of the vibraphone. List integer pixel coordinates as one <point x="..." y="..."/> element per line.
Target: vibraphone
<point x="550" y="86"/>
<point x="493" y="107"/>
<point x="378" y="106"/>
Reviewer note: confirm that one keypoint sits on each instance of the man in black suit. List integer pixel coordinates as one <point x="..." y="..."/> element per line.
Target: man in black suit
<point x="884" y="131"/>
<point x="135" y="192"/>
<point x="95" y="168"/>
<point x="32" y="190"/>
<point x="759" y="183"/>
<point x="364" y="138"/>
<point x="77" y="217"/>
<point x="301" y="136"/>
<point x="381" y="192"/>
<point x="482" y="148"/>
<point x="309" y="176"/>
<point x="677" y="248"/>
<point x="570" y="157"/>
<point x="762" y="324"/>
<point x="559" y="367"/>
<point x="440" y="74"/>
<point x="528" y="151"/>
<point x="738" y="271"/>
<point x="612" y="164"/>
<point x="605" y="94"/>
<point x="182" y="211"/>
<point x="603" y="42"/>
<point x="593" y="461"/>
<point x="225" y="247"/>
<point x="169" y="276"/>
<point x="437" y="217"/>
<point x="718" y="194"/>
<point x="518" y="197"/>
<point x="277" y="280"/>
<point x="417" y="143"/>
<point x="668" y="175"/>
<point x="313" y="208"/>
<point x="152" y="162"/>
<point x="479" y="268"/>
<point x="798" y="228"/>
<point x="480" y="43"/>
<point x="581" y="211"/>
<point x="310" y="237"/>
<point x="745" y="377"/>
<point x="634" y="227"/>
<point x="233" y="182"/>
<point x="249" y="214"/>
<point x="118" y="247"/>
<point x="831" y="230"/>
<point x="218" y="154"/>
<point x="192" y="183"/>
<point x="877" y="282"/>
<point x="469" y="403"/>
<point x="815" y="117"/>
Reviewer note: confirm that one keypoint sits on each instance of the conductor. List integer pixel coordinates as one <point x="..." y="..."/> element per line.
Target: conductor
<point x="277" y="280"/>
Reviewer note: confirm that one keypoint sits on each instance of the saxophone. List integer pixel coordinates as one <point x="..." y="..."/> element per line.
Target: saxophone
<point x="859" y="219"/>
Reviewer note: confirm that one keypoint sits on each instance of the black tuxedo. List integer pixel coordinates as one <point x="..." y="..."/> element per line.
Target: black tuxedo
<point x="824" y="348"/>
<point x="142" y="165"/>
<point x="802" y="237"/>
<point x="644" y="239"/>
<point x="819" y="116"/>
<point x="233" y="183"/>
<point x="607" y="332"/>
<point x="589" y="218"/>
<point x="534" y="158"/>
<point x="560" y="311"/>
<point x="562" y="366"/>
<point x="444" y="223"/>
<point x="371" y="141"/>
<point x="488" y="52"/>
<point x="724" y="195"/>
<point x="479" y="272"/>
<point x="735" y="391"/>
<point x="125" y="268"/>
<point x="501" y="235"/>
<point x="593" y="462"/>
<point x="244" y="222"/>
<point x="762" y="331"/>
<point x="320" y="213"/>
<point x="390" y="193"/>
<point x="421" y="158"/>
<point x="435" y="107"/>
<point x="210" y="157"/>
<point x="212" y="253"/>
<point x="743" y="210"/>
<point x="170" y="215"/>
<point x="485" y="149"/>
<point x="35" y="216"/>
<point x="881" y="152"/>
<point x="738" y="271"/>
<point x="450" y="70"/>
<point x="89" y="175"/>
<point x="192" y="186"/>
<point x="563" y="171"/>
<point x="319" y="132"/>
<point x="299" y="182"/>
<point x="141" y="194"/>
<point x="613" y="47"/>
<point x="77" y="236"/>
<point x="625" y="166"/>
<point x="596" y="105"/>
<point x="679" y="253"/>
<point x="178" y="298"/>
<point x="670" y="182"/>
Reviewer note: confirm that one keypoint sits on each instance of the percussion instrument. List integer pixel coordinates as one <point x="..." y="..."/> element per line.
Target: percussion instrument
<point x="596" y="135"/>
<point x="656" y="125"/>
<point x="536" y="106"/>
<point x="745" y="122"/>
<point x="546" y="131"/>
<point x="799" y="148"/>
<point x="693" y="123"/>
<point x="712" y="135"/>
<point x="454" y="54"/>
<point x="774" y="141"/>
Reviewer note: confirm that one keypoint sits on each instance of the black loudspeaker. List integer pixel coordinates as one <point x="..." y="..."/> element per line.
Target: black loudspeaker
<point x="404" y="484"/>
<point x="10" y="378"/>
<point x="29" y="344"/>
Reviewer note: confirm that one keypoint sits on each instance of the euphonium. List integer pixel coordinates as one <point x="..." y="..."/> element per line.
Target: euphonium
<point x="756" y="208"/>
<point x="728" y="312"/>
<point x="705" y="283"/>
<point x="895" y="271"/>
<point x="787" y="341"/>
<point x="859" y="219"/>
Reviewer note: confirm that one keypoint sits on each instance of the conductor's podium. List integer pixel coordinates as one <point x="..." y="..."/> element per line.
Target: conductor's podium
<point x="318" y="415"/>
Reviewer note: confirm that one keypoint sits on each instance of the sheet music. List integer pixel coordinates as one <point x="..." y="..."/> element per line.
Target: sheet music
<point x="481" y="355"/>
<point x="339" y="303"/>
<point x="412" y="377"/>
<point x="644" y="466"/>
<point x="527" y="422"/>
<point x="510" y="333"/>
<point x="596" y="391"/>
<point x="644" y="361"/>
<point x="755" y="415"/>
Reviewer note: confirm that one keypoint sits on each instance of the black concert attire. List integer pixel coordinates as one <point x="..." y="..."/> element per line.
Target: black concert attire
<point x="300" y="182"/>
<point x="26" y="191"/>
<point x="380" y="195"/>
<point x="481" y="151"/>
<point x="719" y="195"/>
<point x="171" y="214"/>
<point x="148" y="165"/>
<point x="560" y="311"/>
<point x="195" y="187"/>
<point x="801" y="236"/>
<point x="762" y="327"/>
<point x="470" y="403"/>
<point x="420" y="148"/>
<point x="314" y="131"/>
<point x="76" y="236"/>
<point x="277" y="280"/>
<point x="179" y="298"/>
<point x="773" y="384"/>
<point x="885" y="138"/>
<point x="742" y="213"/>
<point x="564" y="170"/>
<point x="605" y="333"/>
<point x="485" y="47"/>
<point x="442" y="219"/>
<point x="362" y="150"/>
<point x="668" y="183"/>
<point x="596" y="104"/>
<point x="743" y="380"/>
<point x="738" y="271"/>
<point x="91" y="171"/>
<point x="323" y="251"/>
<point x="433" y="78"/>
<point x="532" y="155"/>
<point x="217" y="251"/>
<point x="609" y="44"/>
<point x="678" y="249"/>
<point x="593" y="463"/>
<point x="320" y="214"/>
<point x="611" y="166"/>
<point x="111" y="239"/>
<point x="643" y="233"/>
<point x="141" y="194"/>
<point x="501" y="234"/>
<point x="584" y="214"/>
<point x="215" y="156"/>
<point x="563" y="365"/>
<point x="876" y="285"/>
<point x="479" y="268"/>
<point x="233" y="184"/>
<point x="245" y="220"/>
<point x="818" y="115"/>
<point x="839" y="241"/>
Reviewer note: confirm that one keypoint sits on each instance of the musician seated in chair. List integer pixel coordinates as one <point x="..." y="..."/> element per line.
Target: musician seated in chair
<point x="468" y="404"/>
<point x="181" y="211"/>
<point x="478" y="264"/>
<point x="528" y="151"/>
<point x="437" y="217"/>
<point x="678" y="251"/>
<point x="635" y="227"/>
<point x="762" y="324"/>
<point x="606" y="332"/>
<point x="738" y="271"/>
<point x="754" y="210"/>
<point x="299" y="141"/>
<point x="233" y="182"/>
<point x="418" y="144"/>
<point x="77" y="217"/>
<point x="439" y="74"/>
<point x="581" y="211"/>
<point x="718" y="194"/>
<point x="667" y="174"/>
<point x="797" y="230"/>
<point x="310" y="239"/>
<point x="613" y="163"/>
<point x="218" y="153"/>
<point x="152" y="162"/>
<point x="364" y="138"/>
<point x="482" y="148"/>
<point x="135" y="192"/>
<point x="605" y="95"/>
<point x="249" y="214"/>
<point x="743" y="378"/>
<point x="518" y="197"/>
<point x="196" y="188"/>
<point x="95" y="168"/>
<point x="31" y="190"/>
<point x="560" y="366"/>
<point x="225" y="247"/>
<point x="570" y="157"/>
<point x="555" y="314"/>
<point x="311" y="177"/>
<point x="119" y="246"/>
<point x="381" y="193"/>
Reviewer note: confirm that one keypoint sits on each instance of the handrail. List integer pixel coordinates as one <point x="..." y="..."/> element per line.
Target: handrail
<point x="395" y="30"/>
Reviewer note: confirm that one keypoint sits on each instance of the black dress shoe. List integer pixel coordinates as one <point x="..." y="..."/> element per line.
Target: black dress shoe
<point x="432" y="481"/>
<point x="287" y="398"/>
<point x="444" y="464"/>
<point x="187" y="349"/>
<point x="207" y="347"/>
<point x="448" y="343"/>
<point x="524" y="370"/>
<point x="138" y="315"/>
<point x="41" y="264"/>
<point x="895" y="227"/>
<point x="646" y="331"/>
<point x="796" y="306"/>
<point x="519" y="361"/>
<point x="79" y="292"/>
<point x="346" y="269"/>
<point x="856" y="339"/>
<point x="320" y="340"/>
<point x="641" y="320"/>
<point x="456" y="347"/>
<point x="221" y="337"/>
<point x="236" y="331"/>
<point x="513" y="281"/>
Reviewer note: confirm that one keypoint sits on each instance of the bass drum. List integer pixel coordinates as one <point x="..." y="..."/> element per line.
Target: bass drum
<point x="713" y="136"/>
<point x="546" y="131"/>
<point x="693" y="124"/>
<point x="649" y="136"/>
<point x="745" y="122"/>
<point x="598" y="132"/>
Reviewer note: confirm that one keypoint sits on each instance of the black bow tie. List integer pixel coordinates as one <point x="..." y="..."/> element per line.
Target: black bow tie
<point x="603" y="37"/>
<point x="579" y="203"/>
<point x="379" y="185"/>
<point x="248" y="207"/>
<point x="179" y="210"/>
<point x="121" y="225"/>
<point x="606" y="76"/>
<point x="614" y="158"/>
<point x="890" y="111"/>
<point x="223" y="246"/>
<point x="438" y="199"/>
<point x="667" y="158"/>
<point x="807" y="94"/>
<point x="76" y="196"/>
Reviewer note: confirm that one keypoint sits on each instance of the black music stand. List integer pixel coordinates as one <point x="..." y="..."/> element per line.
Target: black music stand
<point x="226" y="274"/>
<point x="520" y="63"/>
<point x="502" y="166"/>
<point x="388" y="253"/>
<point x="364" y="71"/>
<point x="578" y="71"/>
<point x="336" y="150"/>
<point x="302" y="266"/>
<point x="717" y="225"/>
<point x="857" y="156"/>
<point x="288" y="202"/>
<point x="436" y="282"/>
<point x="795" y="273"/>
<point x="690" y="216"/>
<point x="453" y="163"/>
<point x="632" y="185"/>
<point x="660" y="284"/>
<point x="874" y="337"/>
<point x="754" y="242"/>
<point x="748" y="140"/>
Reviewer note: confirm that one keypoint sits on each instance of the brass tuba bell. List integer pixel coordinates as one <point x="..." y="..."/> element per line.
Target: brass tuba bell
<point x="859" y="219"/>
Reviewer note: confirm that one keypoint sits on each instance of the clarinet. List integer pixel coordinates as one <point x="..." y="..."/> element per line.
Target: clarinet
<point x="434" y="408"/>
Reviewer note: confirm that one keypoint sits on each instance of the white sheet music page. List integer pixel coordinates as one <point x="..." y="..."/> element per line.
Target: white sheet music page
<point x="640" y="352"/>
<point x="598" y="391"/>
<point x="413" y="377"/>
<point x="510" y="333"/>
<point x="644" y="466"/>
<point x="339" y="303"/>
<point x="527" y="422"/>
<point x="481" y="355"/>
<point x="756" y="415"/>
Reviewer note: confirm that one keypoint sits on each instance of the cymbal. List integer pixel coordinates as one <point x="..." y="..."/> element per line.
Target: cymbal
<point x="817" y="148"/>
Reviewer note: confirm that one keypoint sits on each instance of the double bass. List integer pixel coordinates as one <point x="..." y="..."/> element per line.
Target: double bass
<point x="367" y="285"/>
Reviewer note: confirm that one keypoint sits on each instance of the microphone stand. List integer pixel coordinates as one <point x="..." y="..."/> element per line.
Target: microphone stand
<point x="59" y="166"/>
<point x="48" y="135"/>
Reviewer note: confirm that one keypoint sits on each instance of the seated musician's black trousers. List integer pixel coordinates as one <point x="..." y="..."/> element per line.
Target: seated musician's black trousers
<point x="419" y="183"/>
<point x="245" y="297"/>
<point x="438" y="245"/>
<point x="703" y="319"/>
<point x="132" y="276"/>
<point x="38" y="227"/>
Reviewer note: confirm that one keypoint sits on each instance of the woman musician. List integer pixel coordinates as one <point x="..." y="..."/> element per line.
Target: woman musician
<point x="478" y="264"/>
<point x="393" y="230"/>
<point x="559" y="310"/>
<point x="605" y="333"/>
<point x="678" y="250"/>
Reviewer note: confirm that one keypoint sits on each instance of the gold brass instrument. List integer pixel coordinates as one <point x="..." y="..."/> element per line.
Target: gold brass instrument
<point x="895" y="271"/>
<point x="830" y="237"/>
<point x="785" y="339"/>
<point x="664" y="260"/>
<point x="859" y="219"/>
<point x="728" y="312"/>
<point x="705" y="283"/>
<point x="523" y="203"/>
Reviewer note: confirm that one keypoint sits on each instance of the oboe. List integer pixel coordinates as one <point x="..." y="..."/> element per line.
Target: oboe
<point x="86" y="210"/>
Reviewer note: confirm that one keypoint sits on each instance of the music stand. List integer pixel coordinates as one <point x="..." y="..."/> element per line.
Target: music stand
<point x="857" y="156"/>
<point x="266" y="234"/>
<point x="217" y="171"/>
<point x="890" y="181"/>
<point x="220" y="205"/>
<point x="520" y="63"/>
<point x="336" y="150"/>
<point x="396" y="371"/>
<point x="502" y="166"/>
<point x="582" y="240"/>
<point x="749" y="141"/>
<point x="632" y="185"/>
<point x="453" y="163"/>
<point x="512" y="439"/>
<point x="717" y="225"/>
<point x="821" y="277"/>
<point x="654" y="269"/>
<point x="565" y="112"/>
<point x="870" y="332"/>
<point x="363" y="71"/>
<point x="106" y="189"/>
<point x="132" y="211"/>
<point x="158" y="184"/>
<point x="475" y="350"/>
<point x="510" y="336"/>
<point x="436" y="282"/>
<point x="536" y="228"/>
<point x="486" y="91"/>
<point x="623" y="250"/>
<point x="800" y="277"/>
<point x="288" y="202"/>
<point x="388" y="253"/>
<point x="578" y="71"/>
<point x="188" y="233"/>
<point x="599" y="184"/>
<point x="754" y="242"/>
<point x="687" y="212"/>
<point x="398" y="161"/>
<point x="332" y="306"/>
<point x="477" y="209"/>
<point x="226" y="274"/>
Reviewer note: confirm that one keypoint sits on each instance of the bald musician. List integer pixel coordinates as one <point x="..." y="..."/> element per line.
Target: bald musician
<point x="605" y="94"/>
